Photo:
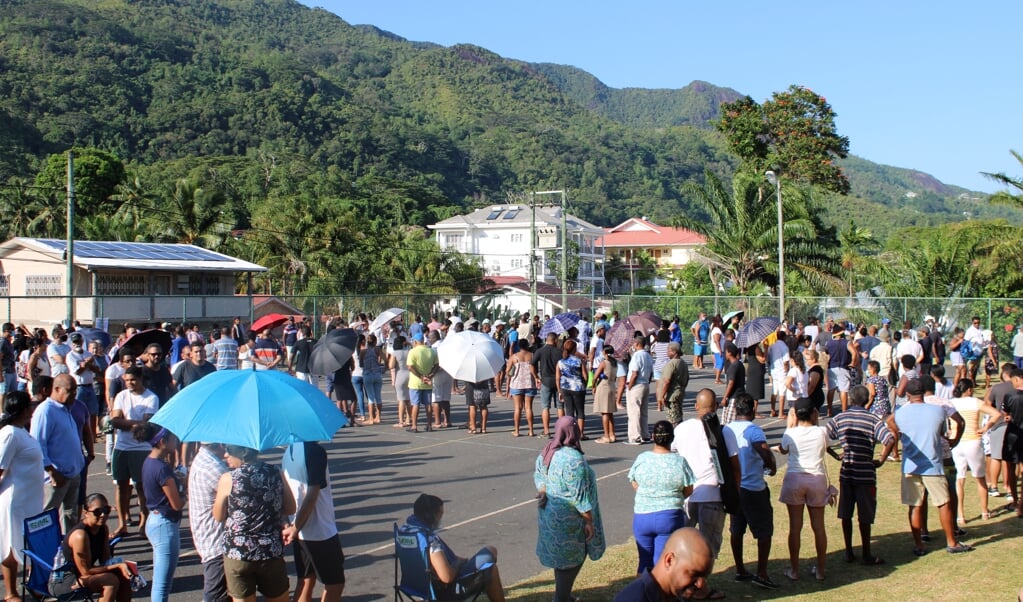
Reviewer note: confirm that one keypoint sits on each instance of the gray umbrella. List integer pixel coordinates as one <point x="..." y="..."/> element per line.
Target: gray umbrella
<point x="333" y="351"/>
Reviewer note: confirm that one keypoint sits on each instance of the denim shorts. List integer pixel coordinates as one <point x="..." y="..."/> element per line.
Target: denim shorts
<point x="526" y="392"/>
<point x="549" y="398"/>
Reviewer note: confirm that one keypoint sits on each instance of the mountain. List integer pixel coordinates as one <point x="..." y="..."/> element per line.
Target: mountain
<point x="269" y="99"/>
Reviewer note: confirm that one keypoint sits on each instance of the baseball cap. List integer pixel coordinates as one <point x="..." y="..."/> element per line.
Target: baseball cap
<point x="76" y="337"/>
<point x="418" y="337"/>
<point x="886" y="321"/>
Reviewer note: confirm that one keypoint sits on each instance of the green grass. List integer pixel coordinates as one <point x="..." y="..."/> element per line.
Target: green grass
<point x="990" y="572"/>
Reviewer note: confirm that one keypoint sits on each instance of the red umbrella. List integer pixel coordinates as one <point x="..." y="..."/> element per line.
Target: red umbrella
<point x="269" y="321"/>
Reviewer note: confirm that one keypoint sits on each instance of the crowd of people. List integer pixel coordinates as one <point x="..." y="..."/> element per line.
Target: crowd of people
<point x="876" y="384"/>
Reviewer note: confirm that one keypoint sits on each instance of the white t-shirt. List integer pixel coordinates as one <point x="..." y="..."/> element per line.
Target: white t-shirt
<point x="800" y="382"/>
<point x="806" y="446"/>
<point x="907" y="347"/>
<point x="691" y="443"/>
<point x="974" y="335"/>
<point x="715" y="347"/>
<point x="305" y="464"/>
<point x="134" y="407"/>
<point x="777" y="356"/>
<point x="813" y="331"/>
<point x="56" y="353"/>
<point x="74" y="360"/>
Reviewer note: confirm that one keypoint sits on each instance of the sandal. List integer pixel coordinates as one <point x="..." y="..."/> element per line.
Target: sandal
<point x="873" y="561"/>
<point x="791" y="575"/>
<point x="602" y="440"/>
<point x="515" y="434"/>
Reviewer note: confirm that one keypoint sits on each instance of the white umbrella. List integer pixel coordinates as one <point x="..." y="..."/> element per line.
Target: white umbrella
<point x="385" y="317"/>
<point x="470" y="356"/>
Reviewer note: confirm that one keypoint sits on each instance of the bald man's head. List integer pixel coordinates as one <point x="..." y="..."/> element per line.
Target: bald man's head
<point x="685" y="564"/>
<point x="64" y="388"/>
<point x="706" y="402"/>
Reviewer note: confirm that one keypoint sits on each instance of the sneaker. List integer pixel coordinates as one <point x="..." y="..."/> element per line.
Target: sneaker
<point x="993" y="492"/>
<point x="634" y="442"/>
<point x="110" y="470"/>
<point x="764" y="582"/>
<point x="925" y="537"/>
<point x="959" y="548"/>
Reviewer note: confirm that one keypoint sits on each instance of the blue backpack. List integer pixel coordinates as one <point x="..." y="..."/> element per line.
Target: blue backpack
<point x="970" y="352"/>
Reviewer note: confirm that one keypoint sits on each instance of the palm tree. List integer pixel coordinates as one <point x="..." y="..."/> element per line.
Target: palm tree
<point x="1005" y="197"/>
<point x="855" y="241"/>
<point x="742" y="236"/>
<point x="194" y="215"/>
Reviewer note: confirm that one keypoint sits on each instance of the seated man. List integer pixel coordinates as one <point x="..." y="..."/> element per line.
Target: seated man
<point x="453" y="576"/>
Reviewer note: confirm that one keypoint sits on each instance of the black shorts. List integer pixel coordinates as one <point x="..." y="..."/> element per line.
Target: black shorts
<point x="859" y="495"/>
<point x="575" y="403"/>
<point x="325" y="559"/>
<point x="757" y="513"/>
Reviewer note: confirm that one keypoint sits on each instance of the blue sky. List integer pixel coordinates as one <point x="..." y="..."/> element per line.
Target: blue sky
<point x="932" y="86"/>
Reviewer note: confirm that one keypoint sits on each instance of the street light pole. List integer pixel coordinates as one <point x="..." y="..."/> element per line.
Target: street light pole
<point x="774" y="179"/>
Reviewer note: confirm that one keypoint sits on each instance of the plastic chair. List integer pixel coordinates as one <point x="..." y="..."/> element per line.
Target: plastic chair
<point x="412" y="553"/>
<point x="42" y="540"/>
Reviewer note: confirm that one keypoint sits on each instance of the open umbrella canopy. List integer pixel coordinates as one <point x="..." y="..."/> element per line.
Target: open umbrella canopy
<point x="645" y="321"/>
<point x="385" y="317"/>
<point x="140" y="340"/>
<point x="95" y="334"/>
<point x="559" y="324"/>
<point x="725" y="319"/>
<point x="332" y="351"/>
<point x="470" y="356"/>
<point x="755" y="331"/>
<point x="619" y="337"/>
<point x="268" y="322"/>
<point x="256" y="409"/>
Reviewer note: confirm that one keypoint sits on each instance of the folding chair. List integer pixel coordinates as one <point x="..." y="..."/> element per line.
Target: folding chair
<point x="412" y="553"/>
<point x="42" y="539"/>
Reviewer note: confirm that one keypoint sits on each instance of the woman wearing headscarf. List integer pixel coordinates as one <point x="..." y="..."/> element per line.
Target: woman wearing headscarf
<point x="570" y="527"/>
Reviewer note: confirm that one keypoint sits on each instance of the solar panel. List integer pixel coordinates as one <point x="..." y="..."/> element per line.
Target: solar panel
<point x="136" y="250"/>
<point x="494" y="213"/>
<point x="511" y="214"/>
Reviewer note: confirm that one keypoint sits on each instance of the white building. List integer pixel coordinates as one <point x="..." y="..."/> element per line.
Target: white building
<point x="500" y="235"/>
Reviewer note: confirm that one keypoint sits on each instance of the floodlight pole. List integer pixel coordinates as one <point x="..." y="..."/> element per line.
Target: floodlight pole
<point x="70" y="249"/>
<point x="774" y="179"/>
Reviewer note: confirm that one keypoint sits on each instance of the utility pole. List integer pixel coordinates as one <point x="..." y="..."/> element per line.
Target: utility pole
<point x="564" y="253"/>
<point x="70" y="250"/>
<point x="532" y="254"/>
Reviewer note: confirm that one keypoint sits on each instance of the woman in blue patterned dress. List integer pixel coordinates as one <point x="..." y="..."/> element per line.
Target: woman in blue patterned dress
<point x="662" y="480"/>
<point x="570" y="527"/>
<point x="571" y="376"/>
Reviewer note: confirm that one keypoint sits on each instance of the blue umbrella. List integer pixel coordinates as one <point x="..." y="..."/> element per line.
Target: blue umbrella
<point x="559" y="324"/>
<point x="755" y="330"/>
<point x="256" y="409"/>
<point x="95" y="334"/>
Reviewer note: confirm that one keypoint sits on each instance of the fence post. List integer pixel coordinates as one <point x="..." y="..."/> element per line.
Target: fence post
<point x="316" y="319"/>
<point x="905" y="309"/>
<point x="989" y="314"/>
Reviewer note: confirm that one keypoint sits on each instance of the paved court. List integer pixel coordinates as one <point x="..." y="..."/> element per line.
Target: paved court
<point x="487" y="482"/>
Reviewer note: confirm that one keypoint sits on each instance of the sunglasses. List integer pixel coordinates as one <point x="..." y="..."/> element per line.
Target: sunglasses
<point x="101" y="511"/>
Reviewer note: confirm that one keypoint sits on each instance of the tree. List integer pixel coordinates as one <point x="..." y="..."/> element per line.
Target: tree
<point x="793" y="134"/>
<point x="742" y="236"/>
<point x="1007" y="197"/>
<point x="97" y="176"/>
<point x="193" y="215"/>
<point x="855" y="241"/>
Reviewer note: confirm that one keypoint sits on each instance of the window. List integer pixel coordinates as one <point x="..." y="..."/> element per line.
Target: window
<point x="5" y="285"/>
<point x="512" y="212"/>
<point x="495" y="213"/>
<point x="516" y="264"/>
<point x="121" y="284"/>
<point x="211" y="285"/>
<point x="454" y="241"/>
<point x="495" y="268"/>
<point x="43" y="286"/>
<point x="516" y="237"/>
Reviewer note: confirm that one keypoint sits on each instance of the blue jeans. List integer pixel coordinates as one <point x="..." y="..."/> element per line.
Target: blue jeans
<point x="165" y="537"/>
<point x="652" y="531"/>
<point x="10" y="382"/>
<point x="360" y="394"/>
<point x="373" y="383"/>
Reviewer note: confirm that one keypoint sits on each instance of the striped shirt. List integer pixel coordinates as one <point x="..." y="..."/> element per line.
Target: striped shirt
<point x="969" y="409"/>
<point x="858" y="430"/>
<point x="226" y="351"/>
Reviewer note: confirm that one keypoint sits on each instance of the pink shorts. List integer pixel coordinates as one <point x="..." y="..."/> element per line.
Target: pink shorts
<point x="804" y="488"/>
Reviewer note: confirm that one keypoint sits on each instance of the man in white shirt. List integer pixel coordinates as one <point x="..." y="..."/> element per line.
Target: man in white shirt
<point x="907" y="346"/>
<point x="975" y="335"/>
<point x="704" y="508"/>
<point x="882" y="354"/>
<point x="134" y="405"/>
<point x="56" y="352"/>
<point x="778" y="362"/>
<point x="641" y="371"/>
<point x="812" y="330"/>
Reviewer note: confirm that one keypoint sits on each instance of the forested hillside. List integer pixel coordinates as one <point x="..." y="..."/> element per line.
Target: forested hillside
<point x="278" y="119"/>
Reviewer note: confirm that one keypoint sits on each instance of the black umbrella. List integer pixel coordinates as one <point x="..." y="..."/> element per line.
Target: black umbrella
<point x="95" y="334"/>
<point x="140" y="340"/>
<point x="333" y="351"/>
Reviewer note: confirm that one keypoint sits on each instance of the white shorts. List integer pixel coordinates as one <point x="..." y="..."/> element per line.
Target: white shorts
<point x="838" y="378"/>
<point x="969" y="454"/>
<point x="778" y="386"/>
<point x="957" y="358"/>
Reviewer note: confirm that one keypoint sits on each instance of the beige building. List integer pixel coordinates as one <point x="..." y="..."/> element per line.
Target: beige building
<point x="119" y="282"/>
<point x="669" y="248"/>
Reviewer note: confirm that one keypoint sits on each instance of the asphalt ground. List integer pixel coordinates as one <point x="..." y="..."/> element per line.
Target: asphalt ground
<point x="486" y="481"/>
